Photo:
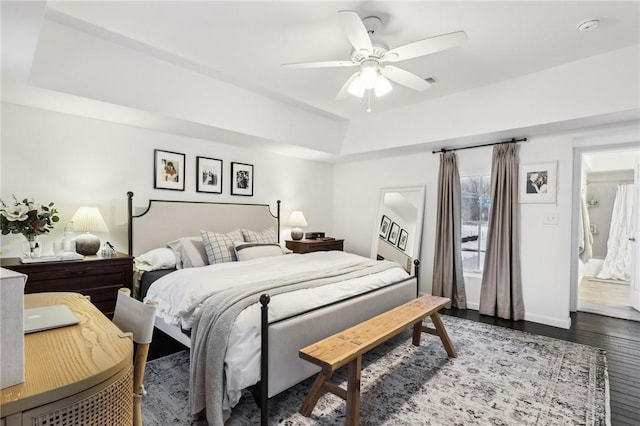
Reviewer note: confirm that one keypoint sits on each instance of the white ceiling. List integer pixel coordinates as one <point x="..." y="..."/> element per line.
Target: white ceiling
<point x="245" y="43"/>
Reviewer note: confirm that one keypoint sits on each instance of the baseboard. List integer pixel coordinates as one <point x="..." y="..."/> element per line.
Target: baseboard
<point x="555" y="322"/>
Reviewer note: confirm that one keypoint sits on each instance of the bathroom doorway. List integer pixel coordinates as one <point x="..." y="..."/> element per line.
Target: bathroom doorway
<point x="609" y="208"/>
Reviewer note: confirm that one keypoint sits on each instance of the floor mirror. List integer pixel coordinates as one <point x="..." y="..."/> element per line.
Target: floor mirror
<point x="397" y="232"/>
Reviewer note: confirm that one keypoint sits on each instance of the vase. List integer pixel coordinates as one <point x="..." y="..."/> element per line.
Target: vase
<point x="31" y="249"/>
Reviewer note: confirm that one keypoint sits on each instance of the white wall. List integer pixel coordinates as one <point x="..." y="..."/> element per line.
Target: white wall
<point x="546" y="249"/>
<point x="75" y="161"/>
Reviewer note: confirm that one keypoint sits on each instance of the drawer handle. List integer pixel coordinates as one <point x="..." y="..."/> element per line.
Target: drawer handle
<point x="76" y="272"/>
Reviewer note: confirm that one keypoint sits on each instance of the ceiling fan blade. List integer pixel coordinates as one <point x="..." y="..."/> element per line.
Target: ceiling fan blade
<point x="344" y="91"/>
<point x="426" y="46"/>
<point x="356" y="32"/>
<point x="404" y="78"/>
<point x="325" y="64"/>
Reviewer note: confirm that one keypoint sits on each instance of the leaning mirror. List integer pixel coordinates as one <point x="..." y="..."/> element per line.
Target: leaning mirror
<point x="397" y="232"/>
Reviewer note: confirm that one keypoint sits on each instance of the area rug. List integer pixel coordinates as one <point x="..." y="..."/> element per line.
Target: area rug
<point x="500" y="377"/>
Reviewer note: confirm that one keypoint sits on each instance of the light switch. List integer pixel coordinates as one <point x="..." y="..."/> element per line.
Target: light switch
<point x="550" y="218"/>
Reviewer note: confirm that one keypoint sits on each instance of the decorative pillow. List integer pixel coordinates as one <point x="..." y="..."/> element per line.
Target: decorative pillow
<point x="248" y="251"/>
<point x="189" y="252"/>
<point x="161" y="258"/>
<point x="268" y="236"/>
<point x="219" y="247"/>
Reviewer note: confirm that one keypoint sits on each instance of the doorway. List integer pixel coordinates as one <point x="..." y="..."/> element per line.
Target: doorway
<point x="608" y="209"/>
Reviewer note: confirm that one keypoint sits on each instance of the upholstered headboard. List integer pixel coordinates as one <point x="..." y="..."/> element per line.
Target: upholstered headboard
<point x="166" y="220"/>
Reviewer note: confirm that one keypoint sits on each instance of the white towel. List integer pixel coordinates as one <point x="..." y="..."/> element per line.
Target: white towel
<point x="585" y="239"/>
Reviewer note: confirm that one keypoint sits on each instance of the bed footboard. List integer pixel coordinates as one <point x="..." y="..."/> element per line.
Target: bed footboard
<point x="281" y="366"/>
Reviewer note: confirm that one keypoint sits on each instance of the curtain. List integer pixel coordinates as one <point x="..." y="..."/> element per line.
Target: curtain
<point x="617" y="262"/>
<point x="448" y="280"/>
<point x="501" y="288"/>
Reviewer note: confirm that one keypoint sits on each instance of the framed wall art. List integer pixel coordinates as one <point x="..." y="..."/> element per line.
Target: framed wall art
<point x="394" y="233"/>
<point x="402" y="242"/>
<point x="385" y="225"/>
<point x="242" y="179"/>
<point x="169" y="169"/>
<point x="208" y="175"/>
<point x="537" y="183"/>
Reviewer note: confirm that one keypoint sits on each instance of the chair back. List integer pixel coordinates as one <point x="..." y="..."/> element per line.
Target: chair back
<point x="135" y="317"/>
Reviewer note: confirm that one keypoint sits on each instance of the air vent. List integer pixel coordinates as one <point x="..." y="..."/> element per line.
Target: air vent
<point x="431" y="80"/>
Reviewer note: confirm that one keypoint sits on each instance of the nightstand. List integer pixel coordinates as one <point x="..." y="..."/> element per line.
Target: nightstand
<point x="308" y="246"/>
<point x="94" y="276"/>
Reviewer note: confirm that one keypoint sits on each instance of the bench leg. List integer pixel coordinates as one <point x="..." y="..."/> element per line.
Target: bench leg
<point x="353" y="392"/>
<point x="417" y="333"/>
<point x="316" y="391"/>
<point x="442" y="332"/>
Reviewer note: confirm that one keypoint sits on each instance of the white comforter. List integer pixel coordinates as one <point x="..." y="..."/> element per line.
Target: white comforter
<point x="181" y="294"/>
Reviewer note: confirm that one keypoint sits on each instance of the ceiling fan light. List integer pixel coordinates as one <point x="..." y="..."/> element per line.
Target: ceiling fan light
<point x="382" y="86"/>
<point x="368" y="76"/>
<point x="356" y="88"/>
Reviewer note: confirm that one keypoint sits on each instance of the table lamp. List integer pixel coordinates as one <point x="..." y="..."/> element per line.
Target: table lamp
<point x="297" y="220"/>
<point x="88" y="220"/>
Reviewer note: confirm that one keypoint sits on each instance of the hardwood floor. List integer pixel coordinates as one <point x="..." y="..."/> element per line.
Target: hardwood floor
<point x="620" y="338"/>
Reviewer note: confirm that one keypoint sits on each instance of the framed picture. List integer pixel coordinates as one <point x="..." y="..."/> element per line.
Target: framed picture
<point x="537" y="183"/>
<point x="168" y="170"/>
<point x="393" y="233"/>
<point x="402" y="242"/>
<point x="385" y="225"/>
<point x="208" y="175"/>
<point x="241" y="179"/>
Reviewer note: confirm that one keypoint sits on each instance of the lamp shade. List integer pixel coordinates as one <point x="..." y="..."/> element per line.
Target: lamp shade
<point x="88" y="219"/>
<point x="297" y="220"/>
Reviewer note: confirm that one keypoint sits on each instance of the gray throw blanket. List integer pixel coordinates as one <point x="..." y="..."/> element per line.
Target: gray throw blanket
<point x="210" y="332"/>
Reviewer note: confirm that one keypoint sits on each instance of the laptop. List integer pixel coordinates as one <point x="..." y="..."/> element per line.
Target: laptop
<point x="48" y="317"/>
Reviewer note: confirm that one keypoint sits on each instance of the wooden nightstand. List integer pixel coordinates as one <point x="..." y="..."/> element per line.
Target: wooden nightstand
<point x="94" y="276"/>
<point x="308" y="246"/>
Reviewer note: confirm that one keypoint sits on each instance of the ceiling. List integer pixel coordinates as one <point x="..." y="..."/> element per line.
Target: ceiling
<point x="57" y="54"/>
<point x="245" y="43"/>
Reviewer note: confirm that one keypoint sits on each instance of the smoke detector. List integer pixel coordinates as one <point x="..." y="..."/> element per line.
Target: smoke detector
<point x="588" y="25"/>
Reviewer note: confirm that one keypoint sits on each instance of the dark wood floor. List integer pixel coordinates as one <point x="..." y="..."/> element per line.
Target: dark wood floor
<point x="620" y="338"/>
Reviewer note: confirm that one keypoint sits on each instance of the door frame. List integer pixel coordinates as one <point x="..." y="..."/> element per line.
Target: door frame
<point x="591" y="145"/>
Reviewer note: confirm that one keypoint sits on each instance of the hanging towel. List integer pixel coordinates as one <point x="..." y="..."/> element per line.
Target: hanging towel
<point x="585" y="239"/>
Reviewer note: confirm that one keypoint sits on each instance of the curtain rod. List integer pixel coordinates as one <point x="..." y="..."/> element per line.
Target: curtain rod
<point x="478" y="146"/>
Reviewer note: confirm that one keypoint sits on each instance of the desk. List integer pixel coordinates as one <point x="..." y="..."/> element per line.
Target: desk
<point x="76" y="375"/>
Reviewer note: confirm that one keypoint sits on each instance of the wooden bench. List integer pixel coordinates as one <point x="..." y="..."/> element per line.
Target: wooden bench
<point x="348" y="346"/>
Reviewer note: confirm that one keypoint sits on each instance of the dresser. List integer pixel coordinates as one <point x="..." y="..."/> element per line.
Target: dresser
<point x="308" y="246"/>
<point x="76" y="375"/>
<point x="94" y="276"/>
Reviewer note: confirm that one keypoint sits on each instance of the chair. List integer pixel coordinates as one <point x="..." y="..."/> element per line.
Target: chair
<point x="136" y="319"/>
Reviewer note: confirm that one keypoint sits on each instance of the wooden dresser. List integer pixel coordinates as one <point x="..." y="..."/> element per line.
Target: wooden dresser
<point x="94" y="276"/>
<point x="76" y="375"/>
<point x="308" y="246"/>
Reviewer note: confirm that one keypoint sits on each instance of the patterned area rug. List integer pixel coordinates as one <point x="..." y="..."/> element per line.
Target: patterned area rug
<point x="501" y="377"/>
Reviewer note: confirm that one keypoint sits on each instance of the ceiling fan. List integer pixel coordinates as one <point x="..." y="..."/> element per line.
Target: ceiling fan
<point x="372" y="55"/>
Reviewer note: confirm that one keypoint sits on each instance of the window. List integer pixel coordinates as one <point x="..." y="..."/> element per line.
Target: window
<point x="476" y="202"/>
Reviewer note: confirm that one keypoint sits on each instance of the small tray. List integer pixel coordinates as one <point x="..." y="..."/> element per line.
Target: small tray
<point x="59" y="258"/>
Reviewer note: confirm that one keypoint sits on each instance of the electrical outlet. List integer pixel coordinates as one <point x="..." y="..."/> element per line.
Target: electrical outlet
<point x="550" y="218"/>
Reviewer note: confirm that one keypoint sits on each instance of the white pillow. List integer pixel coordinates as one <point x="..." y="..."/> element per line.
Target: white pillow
<point x="248" y="251"/>
<point x="268" y="236"/>
<point x="189" y="252"/>
<point x="219" y="247"/>
<point x="160" y="258"/>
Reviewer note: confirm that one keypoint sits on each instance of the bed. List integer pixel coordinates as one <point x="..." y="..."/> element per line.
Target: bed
<point x="282" y="332"/>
